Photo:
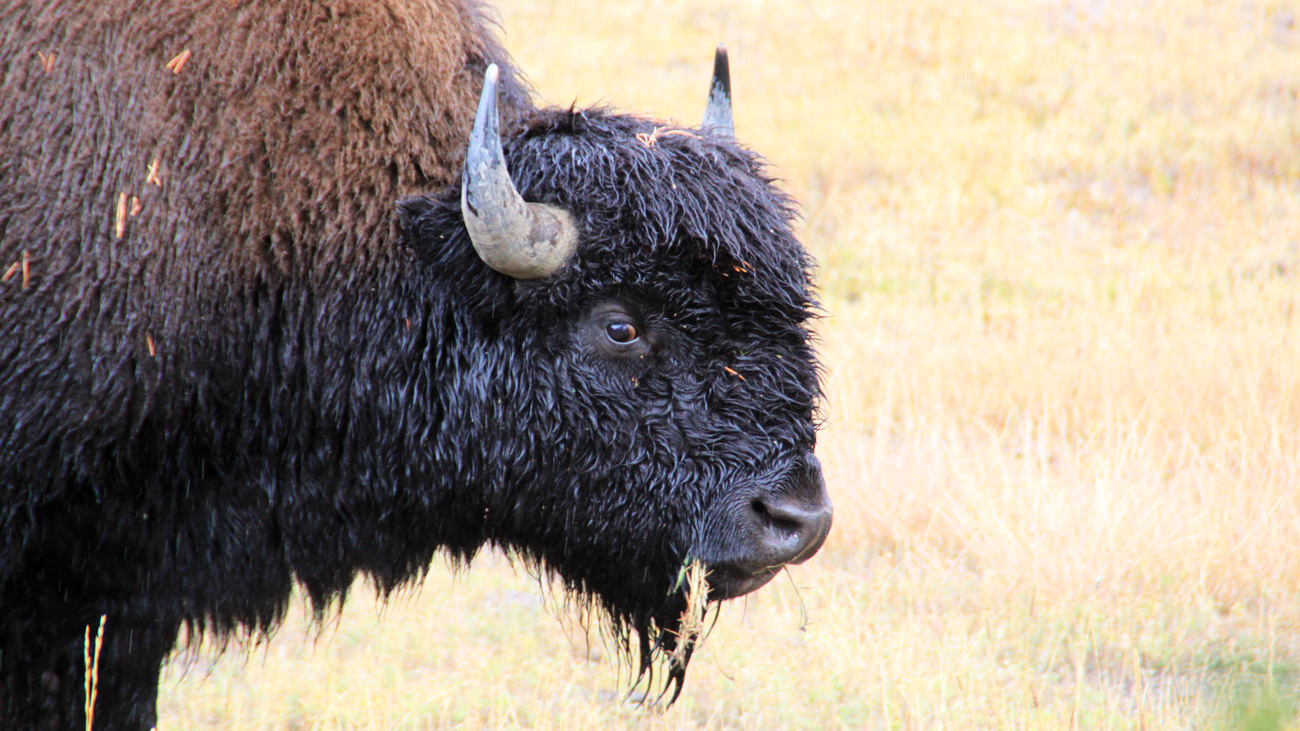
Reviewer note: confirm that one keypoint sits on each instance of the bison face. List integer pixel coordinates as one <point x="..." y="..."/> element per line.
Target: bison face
<point x="733" y="459"/>
<point x="692" y="432"/>
<point x="653" y="399"/>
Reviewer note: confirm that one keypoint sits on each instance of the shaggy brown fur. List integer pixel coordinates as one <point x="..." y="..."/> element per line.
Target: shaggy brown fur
<point x="381" y="94"/>
<point x="208" y="153"/>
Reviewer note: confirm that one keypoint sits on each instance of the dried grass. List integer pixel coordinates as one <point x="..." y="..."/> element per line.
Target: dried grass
<point x="91" y="656"/>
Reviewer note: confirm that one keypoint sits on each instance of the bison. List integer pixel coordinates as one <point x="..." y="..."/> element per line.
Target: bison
<point x="301" y="290"/>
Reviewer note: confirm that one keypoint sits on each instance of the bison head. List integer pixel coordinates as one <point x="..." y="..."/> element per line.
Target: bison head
<point x="643" y="389"/>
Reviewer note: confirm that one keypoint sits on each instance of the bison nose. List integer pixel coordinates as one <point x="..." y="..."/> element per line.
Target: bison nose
<point x="793" y="525"/>
<point x="782" y="523"/>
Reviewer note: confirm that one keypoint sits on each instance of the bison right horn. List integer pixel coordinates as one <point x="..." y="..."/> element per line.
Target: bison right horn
<point x="517" y="238"/>
<point x="717" y="113"/>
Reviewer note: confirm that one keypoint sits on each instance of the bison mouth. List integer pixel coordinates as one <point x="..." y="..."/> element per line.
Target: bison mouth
<point x="728" y="580"/>
<point x="767" y="529"/>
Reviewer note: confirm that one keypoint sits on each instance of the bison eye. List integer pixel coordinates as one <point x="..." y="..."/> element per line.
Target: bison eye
<point x="615" y="331"/>
<point x="622" y="332"/>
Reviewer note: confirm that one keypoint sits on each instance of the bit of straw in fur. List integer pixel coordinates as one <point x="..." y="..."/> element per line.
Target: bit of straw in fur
<point x="92" y="670"/>
<point x="649" y="139"/>
<point x="119" y="219"/>
<point x="178" y="61"/>
<point x="692" y="619"/>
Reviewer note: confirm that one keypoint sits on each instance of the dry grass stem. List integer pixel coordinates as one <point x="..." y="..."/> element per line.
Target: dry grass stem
<point x="692" y="618"/>
<point x="92" y="669"/>
<point x="119" y="216"/>
<point x="178" y="61"/>
<point x="649" y="140"/>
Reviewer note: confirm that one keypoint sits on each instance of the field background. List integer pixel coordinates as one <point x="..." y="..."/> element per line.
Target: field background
<point x="1060" y="259"/>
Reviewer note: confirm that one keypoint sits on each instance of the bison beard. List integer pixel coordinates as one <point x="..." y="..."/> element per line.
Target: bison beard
<point x="252" y="376"/>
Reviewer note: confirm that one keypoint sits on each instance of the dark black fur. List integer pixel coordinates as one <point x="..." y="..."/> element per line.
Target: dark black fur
<point x="310" y="429"/>
<point x="626" y="467"/>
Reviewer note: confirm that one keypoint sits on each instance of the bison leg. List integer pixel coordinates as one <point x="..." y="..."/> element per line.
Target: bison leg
<point x="43" y="669"/>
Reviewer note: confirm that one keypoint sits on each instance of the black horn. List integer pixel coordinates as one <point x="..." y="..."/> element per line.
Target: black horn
<point x="517" y="238"/>
<point x="717" y="113"/>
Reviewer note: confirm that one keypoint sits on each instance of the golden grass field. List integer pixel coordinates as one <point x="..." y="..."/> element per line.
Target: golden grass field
<point x="1059" y="250"/>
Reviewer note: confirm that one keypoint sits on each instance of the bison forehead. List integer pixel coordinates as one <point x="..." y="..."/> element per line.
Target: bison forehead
<point x="656" y="201"/>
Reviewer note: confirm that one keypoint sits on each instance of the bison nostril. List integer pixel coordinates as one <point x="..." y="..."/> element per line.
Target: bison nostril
<point x="782" y="521"/>
<point x="791" y="527"/>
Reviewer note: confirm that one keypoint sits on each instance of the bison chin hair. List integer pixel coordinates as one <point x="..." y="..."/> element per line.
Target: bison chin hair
<point x="655" y="644"/>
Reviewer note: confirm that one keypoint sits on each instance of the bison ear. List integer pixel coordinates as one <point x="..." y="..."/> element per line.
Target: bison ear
<point x="517" y="238"/>
<point x="717" y="113"/>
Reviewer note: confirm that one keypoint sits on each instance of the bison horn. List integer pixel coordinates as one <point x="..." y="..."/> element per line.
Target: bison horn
<point x="519" y="239"/>
<point x="717" y="113"/>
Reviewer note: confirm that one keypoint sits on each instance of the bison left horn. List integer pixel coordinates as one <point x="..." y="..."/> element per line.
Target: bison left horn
<point x="717" y="113"/>
<point x="517" y="238"/>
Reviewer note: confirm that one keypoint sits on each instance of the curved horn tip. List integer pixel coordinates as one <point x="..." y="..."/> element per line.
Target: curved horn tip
<point x="486" y="119"/>
<point x="717" y="112"/>
<point x="519" y="239"/>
